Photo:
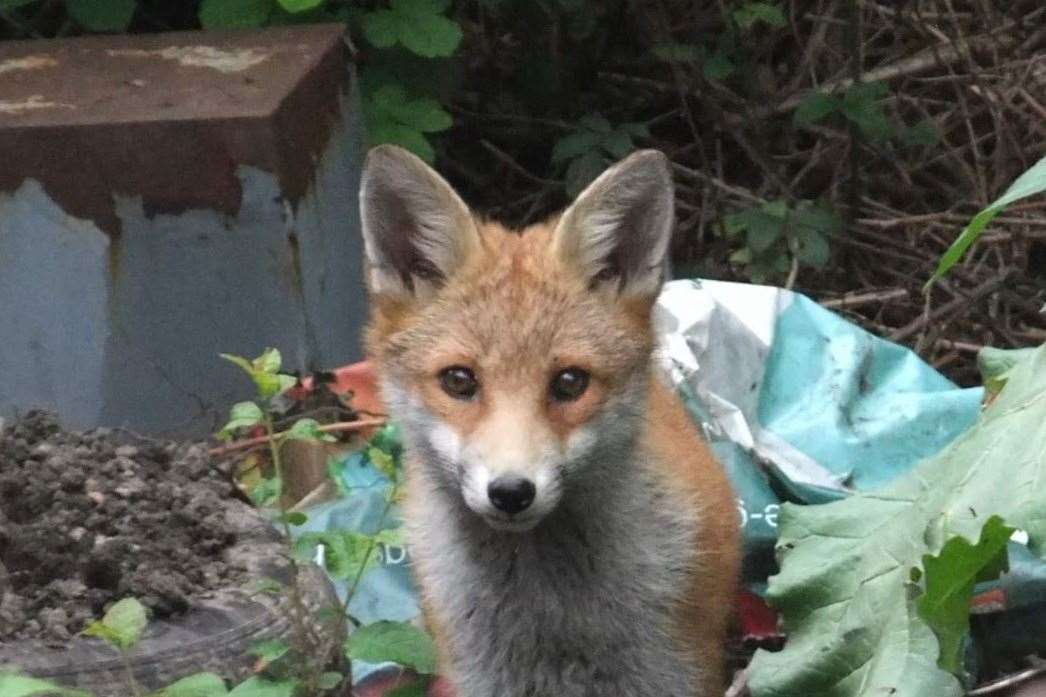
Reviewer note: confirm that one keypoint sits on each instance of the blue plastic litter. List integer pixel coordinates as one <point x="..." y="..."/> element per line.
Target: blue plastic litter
<point x="797" y="402"/>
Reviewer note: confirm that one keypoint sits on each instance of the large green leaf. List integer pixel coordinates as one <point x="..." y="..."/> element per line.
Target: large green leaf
<point x="197" y="685"/>
<point x="260" y="687"/>
<point x="102" y="15"/>
<point x="950" y="579"/>
<point x="15" y="685"/>
<point x="398" y="642"/>
<point x="845" y="588"/>
<point x="1028" y="184"/>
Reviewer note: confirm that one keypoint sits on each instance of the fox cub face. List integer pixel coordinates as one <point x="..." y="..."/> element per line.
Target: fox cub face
<point x="516" y="362"/>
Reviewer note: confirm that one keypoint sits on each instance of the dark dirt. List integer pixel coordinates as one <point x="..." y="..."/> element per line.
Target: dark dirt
<point x="89" y="518"/>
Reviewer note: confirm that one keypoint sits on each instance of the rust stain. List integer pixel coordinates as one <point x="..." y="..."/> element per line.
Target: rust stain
<point x="27" y="63"/>
<point x="169" y="119"/>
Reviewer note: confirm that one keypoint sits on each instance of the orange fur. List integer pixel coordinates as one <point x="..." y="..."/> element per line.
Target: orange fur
<point x="691" y="469"/>
<point x="516" y="275"/>
<point x="515" y="309"/>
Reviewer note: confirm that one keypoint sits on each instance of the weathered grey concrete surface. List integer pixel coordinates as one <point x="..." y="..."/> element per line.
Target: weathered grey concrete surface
<point x="121" y="324"/>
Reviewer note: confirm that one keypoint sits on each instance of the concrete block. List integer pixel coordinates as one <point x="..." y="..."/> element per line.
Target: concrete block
<point x="165" y="198"/>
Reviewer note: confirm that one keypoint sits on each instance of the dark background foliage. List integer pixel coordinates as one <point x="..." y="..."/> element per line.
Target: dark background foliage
<point x="833" y="146"/>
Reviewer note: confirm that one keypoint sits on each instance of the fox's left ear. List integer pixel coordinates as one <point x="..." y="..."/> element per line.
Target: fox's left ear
<point x="618" y="229"/>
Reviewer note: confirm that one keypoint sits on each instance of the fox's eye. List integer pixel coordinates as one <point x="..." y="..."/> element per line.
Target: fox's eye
<point x="459" y="382"/>
<point x="568" y="385"/>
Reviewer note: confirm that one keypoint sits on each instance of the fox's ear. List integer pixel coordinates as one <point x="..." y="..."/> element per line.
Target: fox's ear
<point x="618" y="229"/>
<point x="416" y="229"/>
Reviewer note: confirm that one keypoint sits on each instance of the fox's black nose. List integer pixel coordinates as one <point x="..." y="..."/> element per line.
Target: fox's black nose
<point x="511" y="494"/>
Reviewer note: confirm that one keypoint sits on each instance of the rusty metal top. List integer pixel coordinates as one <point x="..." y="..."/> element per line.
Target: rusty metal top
<point x="167" y="116"/>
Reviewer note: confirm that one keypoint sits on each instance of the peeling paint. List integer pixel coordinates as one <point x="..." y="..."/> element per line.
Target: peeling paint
<point x="27" y="63"/>
<point x="235" y="61"/>
<point x="36" y="101"/>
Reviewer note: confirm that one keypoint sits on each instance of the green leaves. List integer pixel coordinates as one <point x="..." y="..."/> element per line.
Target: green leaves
<point x="1028" y="184"/>
<point x="398" y="642"/>
<point x="418" y="25"/>
<point x="718" y="66"/>
<point x="242" y="415"/>
<point x="751" y="13"/>
<point x="592" y="147"/>
<point x="814" y="108"/>
<point x="122" y="625"/>
<point x="101" y="15"/>
<point x="198" y="685"/>
<point x="294" y="518"/>
<point x="774" y="233"/>
<point x="393" y="117"/>
<point x="295" y="6"/>
<point x="347" y="554"/>
<point x="15" y="685"/>
<point x="234" y="14"/>
<point x="260" y="687"/>
<point x="264" y="371"/>
<point x="308" y="429"/>
<point x="996" y="365"/>
<point x="950" y="577"/>
<point x="845" y="588"/>
<point x="269" y="651"/>
<point x="860" y="104"/>
<point x="383" y="462"/>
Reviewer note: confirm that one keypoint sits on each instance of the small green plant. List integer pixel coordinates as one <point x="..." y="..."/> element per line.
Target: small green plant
<point x="122" y="627"/>
<point x="861" y="105"/>
<point x="776" y="236"/>
<point x="594" y="144"/>
<point x="347" y="554"/>
<point x="725" y="53"/>
<point x="270" y="383"/>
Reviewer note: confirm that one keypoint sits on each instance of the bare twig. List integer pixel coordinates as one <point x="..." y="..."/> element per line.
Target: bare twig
<point x="950" y="308"/>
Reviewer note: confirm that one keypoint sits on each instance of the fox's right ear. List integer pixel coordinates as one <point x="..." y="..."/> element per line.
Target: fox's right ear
<point x="416" y="229"/>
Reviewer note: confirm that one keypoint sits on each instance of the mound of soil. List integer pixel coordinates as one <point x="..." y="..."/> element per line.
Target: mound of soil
<point x="89" y="518"/>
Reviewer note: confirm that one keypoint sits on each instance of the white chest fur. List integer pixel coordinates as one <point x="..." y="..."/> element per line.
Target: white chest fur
<point x="582" y="606"/>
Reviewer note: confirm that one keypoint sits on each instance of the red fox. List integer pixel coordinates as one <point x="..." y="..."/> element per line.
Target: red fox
<point x="571" y="533"/>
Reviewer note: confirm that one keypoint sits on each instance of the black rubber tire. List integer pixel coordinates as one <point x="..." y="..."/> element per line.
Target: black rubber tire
<point x="214" y="635"/>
